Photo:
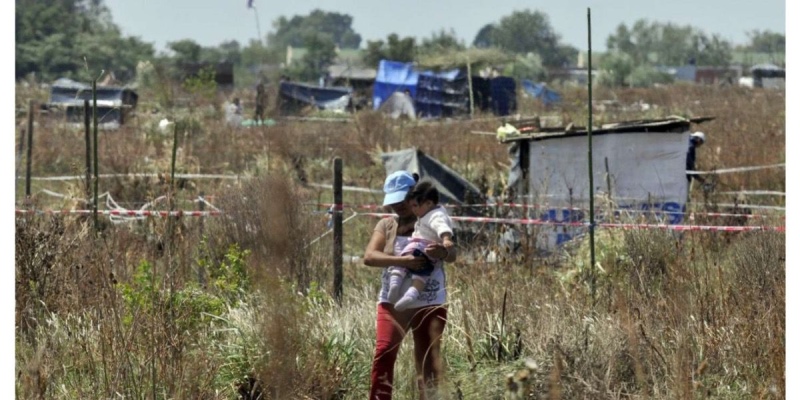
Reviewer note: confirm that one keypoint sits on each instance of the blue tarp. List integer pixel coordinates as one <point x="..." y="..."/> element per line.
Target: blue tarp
<point x="442" y="94"/>
<point x="541" y="92"/>
<point x="324" y="98"/>
<point x="435" y="94"/>
<point x="393" y="76"/>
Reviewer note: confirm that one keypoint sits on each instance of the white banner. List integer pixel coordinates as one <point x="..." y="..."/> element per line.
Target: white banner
<point x="647" y="171"/>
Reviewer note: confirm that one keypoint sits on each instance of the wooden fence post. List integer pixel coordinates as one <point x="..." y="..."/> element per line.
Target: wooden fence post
<point x="96" y="169"/>
<point x="337" y="229"/>
<point x="201" y="206"/>
<point x="87" y="134"/>
<point x="20" y="154"/>
<point x="30" y="151"/>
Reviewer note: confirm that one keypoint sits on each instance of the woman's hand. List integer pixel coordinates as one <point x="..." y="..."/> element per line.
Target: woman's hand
<point x="413" y="263"/>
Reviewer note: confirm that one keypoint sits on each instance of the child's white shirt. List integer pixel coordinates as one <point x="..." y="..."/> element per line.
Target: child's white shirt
<point x="433" y="224"/>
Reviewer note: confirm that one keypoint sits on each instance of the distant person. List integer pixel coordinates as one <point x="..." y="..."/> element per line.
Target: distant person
<point x="261" y="103"/>
<point x="696" y="140"/>
<point x="324" y="79"/>
<point x="233" y="112"/>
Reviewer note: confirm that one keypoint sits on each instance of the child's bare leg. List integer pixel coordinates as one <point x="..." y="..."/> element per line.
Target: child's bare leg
<point x="418" y="284"/>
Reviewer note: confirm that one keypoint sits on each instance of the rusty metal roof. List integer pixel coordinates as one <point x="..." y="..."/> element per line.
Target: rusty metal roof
<point x="667" y="125"/>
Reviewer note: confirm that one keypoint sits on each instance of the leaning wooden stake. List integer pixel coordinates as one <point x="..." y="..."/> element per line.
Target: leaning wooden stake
<point x="502" y="328"/>
<point x="30" y="151"/>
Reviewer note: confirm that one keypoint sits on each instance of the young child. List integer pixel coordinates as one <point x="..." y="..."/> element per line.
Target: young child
<point x="433" y="226"/>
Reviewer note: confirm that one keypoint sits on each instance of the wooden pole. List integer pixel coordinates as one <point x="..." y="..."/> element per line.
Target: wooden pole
<point x="30" y="151"/>
<point x="608" y="179"/>
<point x="469" y="83"/>
<point x="20" y="154"/>
<point x="258" y="26"/>
<point x="201" y="206"/>
<point x="337" y="229"/>
<point x="591" y="170"/>
<point x="502" y="326"/>
<point x="168" y="241"/>
<point x="172" y="167"/>
<point x="87" y="135"/>
<point x="94" y="148"/>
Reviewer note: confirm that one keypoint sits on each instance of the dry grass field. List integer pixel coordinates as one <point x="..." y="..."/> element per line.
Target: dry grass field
<point x="208" y="308"/>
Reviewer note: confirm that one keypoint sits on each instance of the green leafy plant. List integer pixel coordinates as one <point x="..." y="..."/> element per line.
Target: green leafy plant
<point x="228" y="277"/>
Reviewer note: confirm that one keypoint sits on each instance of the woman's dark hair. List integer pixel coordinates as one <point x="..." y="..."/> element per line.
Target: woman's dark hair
<point x="423" y="191"/>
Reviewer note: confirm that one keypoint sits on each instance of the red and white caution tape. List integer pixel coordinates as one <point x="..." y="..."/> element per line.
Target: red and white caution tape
<point x="126" y="213"/>
<point x="346" y="188"/>
<point x="739" y="169"/>
<point x="511" y="221"/>
<point x="623" y="211"/>
<point x="142" y="175"/>
<point x="695" y="227"/>
<point x="756" y="193"/>
<point x="525" y="221"/>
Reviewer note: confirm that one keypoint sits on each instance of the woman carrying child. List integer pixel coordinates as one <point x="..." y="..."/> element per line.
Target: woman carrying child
<point x="426" y="316"/>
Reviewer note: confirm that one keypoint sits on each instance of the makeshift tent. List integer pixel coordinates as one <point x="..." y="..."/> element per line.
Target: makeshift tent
<point x="393" y="77"/>
<point x="114" y="104"/>
<point x="642" y="163"/>
<point x="360" y="79"/>
<point x="453" y="188"/>
<point x="442" y="94"/>
<point x="341" y="74"/>
<point x="445" y="93"/>
<point x="399" y="104"/>
<point x="294" y="96"/>
<point x="540" y="91"/>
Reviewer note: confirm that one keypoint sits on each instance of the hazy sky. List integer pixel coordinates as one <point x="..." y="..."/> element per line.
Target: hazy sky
<point x="209" y="22"/>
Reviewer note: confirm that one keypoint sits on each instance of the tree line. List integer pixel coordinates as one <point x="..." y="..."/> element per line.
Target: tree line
<point x="74" y="38"/>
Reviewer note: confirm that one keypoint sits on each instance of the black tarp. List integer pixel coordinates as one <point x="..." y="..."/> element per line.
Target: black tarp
<point x="498" y="95"/>
<point x="453" y="188"/>
<point x="764" y="72"/>
<point x="113" y="103"/>
<point x="294" y="96"/>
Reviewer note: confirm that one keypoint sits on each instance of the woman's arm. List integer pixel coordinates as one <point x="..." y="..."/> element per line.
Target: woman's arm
<point x="375" y="257"/>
